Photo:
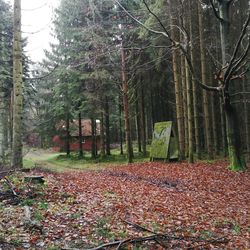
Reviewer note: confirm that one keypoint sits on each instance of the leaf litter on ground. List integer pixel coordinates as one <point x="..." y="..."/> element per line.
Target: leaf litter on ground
<point x="82" y="210"/>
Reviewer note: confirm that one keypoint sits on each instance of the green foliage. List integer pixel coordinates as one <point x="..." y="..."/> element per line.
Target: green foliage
<point x="236" y="228"/>
<point x="28" y="202"/>
<point x="103" y="228"/>
<point x="16" y="242"/>
<point x="38" y="216"/>
<point x="75" y="216"/>
<point x="43" y="205"/>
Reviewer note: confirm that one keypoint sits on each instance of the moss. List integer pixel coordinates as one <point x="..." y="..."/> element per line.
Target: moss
<point x="236" y="163"/>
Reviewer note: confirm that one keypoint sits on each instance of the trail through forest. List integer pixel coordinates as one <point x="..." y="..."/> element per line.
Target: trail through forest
<point x="200" y="206"/>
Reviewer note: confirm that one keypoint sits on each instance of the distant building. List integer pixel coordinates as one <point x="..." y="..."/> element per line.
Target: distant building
<point x="59" y="140"/>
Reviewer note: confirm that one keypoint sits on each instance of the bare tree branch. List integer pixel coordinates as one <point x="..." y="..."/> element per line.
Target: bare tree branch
<point x="228" y="72"/>
<point x="216" y="12"/>
<point x="142" y="24"/>
<point x="176" y="44"/>
<point x="159" y="21"/>
<point x="238" y="63"/>
<point x="44" y="76"/>
<point x="184" y="51"/>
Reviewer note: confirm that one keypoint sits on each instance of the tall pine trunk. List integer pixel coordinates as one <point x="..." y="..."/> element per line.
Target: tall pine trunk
<point x="80" y="134"/>
<point x="67" y="134"/>
<point x="120" y="127"/>
<point x="204" y="67"/>
<point x="93" y="138"/>
<point x="138" y="127"/>
<point x="126" y="108"/>
<point x="17" y="158"/>
<point x="142" y="118"/>
<point x="103" y="145"/>
<point x="194" y="55"/>
<point x="107" y="127"/>
<point x="189" y="114"/>
<point x="178" y="93"/>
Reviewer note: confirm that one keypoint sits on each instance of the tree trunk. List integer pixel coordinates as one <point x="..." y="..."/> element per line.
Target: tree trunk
<point x="138" y="118"/>
<point x="204" y="66"/>
<point x="246" y="120"/>
<point x="3" y="124"/>
<point x="93" y="135"/>
<point x="215" y="124"/>
<point x="120" y="128"/>
<point x="67" y="135"/>
<point x="3" y="115"/>
<point x="194" y="55"/>
<point x="126" y="109"/>
<point x="178" y="93"/>
<point x="236" y="157"/>
<point x="189" y="115"/>
<point x="142" y="118"/>
<point x="102" y="136"/>
<point x="107" y="126"/>
<point x="80" y="134"/>
<point x="17" y="158"/>
<point x="184" y="94"/>
<point x="223" y="128"/>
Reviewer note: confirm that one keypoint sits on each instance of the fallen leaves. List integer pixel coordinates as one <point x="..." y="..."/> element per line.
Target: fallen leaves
<point x="85" y="209"/>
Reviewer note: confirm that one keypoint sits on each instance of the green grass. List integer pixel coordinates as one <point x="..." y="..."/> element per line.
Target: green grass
<point x="59" y="162"/>
<point x="28" y="163"/>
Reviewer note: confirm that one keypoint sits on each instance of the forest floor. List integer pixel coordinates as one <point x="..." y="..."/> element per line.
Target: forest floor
<point x="171" y="205"/>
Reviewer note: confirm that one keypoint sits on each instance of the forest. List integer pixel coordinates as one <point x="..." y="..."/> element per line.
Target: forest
<point x="78" y="129"/>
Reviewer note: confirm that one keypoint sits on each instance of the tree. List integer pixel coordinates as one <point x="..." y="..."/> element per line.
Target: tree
<point x="231" y="66"/>
<point x="5" y="79"/>
<point x="16" y="161"/>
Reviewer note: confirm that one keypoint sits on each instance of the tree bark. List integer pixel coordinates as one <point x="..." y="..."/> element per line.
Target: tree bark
<point x="126" y="108"/>
<point x="17" y="147"/>
<point x="80" y="134"/>
<point x="107" y="127"/>
<point x="236" y="157"/>
<point x="120" y="127"/>
<point x="93" y="135"/>
<point x="103" y="145"/>
<point x="142" y="118"/>
<point x="178" y="93"/>
<point x="67" y="134"/>
<point x="194" y="55"/>
<point x="138" y="118"/>
<point x="204" y="66"/>
<point x="223" y="128"/>
<point x="246" y="120"/>
<point x="189" y="115"/>
<point x="184" y="94"/>
<point x="215" y="124"/>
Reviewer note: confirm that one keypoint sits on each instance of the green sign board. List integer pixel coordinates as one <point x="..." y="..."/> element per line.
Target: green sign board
<point x="164" y="144"/>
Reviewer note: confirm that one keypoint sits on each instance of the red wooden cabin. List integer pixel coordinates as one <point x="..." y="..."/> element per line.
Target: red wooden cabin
<point x="59" y="140"/>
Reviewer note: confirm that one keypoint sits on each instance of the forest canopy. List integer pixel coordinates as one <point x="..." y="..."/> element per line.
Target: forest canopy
<point x="130" y="64"/>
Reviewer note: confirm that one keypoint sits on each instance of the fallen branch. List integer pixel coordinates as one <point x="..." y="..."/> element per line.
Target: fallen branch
<point x="143" y="229"/>
<point x="138" y="226"/>
<point x="11" y="186"/>
<point x="158" y="238"/>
